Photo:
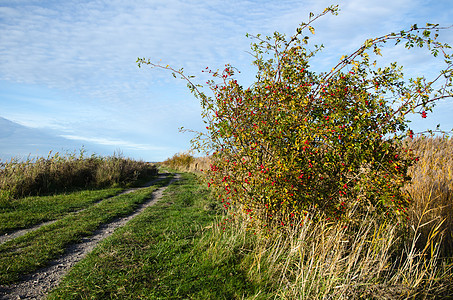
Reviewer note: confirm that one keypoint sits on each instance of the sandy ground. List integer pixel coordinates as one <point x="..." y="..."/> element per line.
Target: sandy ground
<point x="39" y="283"/>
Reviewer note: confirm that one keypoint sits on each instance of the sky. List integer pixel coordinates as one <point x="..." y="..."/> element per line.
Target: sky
<point x="68" y="68"/>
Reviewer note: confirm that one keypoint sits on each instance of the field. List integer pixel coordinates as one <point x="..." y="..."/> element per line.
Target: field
<point x="186" y="247"/>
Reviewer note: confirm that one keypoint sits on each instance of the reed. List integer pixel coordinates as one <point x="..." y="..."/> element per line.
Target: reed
<point x="57" y="172"/>
<point x="431" y="190"/>
<point x="185" y="162"/>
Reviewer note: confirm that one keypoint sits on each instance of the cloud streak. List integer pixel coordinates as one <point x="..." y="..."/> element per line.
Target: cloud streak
<point x="116" y="143"/>
<point x="77" y="58"/>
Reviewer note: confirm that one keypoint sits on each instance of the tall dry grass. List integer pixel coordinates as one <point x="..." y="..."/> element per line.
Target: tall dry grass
<point x="432" y="189"/>
<point x="185" y="162"/>
<point x="58" y="172"/>
<point x="321" y="260"/>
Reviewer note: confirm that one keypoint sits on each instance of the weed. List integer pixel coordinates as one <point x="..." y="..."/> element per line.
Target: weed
<point x="67" y="172"/>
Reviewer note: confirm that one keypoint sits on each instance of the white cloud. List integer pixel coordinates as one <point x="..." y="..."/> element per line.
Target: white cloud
<point x="92" y="47"/>
<point x="85" y="52"/>
<point x="116" y="143"/>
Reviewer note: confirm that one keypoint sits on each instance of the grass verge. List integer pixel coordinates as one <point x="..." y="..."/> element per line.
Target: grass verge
<point x="33" y="250"/>
<point x="157" y="255"/>
<point x="29" y="211"/>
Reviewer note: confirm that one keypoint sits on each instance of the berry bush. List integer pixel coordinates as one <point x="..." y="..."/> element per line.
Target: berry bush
<point x="298" y="143"/>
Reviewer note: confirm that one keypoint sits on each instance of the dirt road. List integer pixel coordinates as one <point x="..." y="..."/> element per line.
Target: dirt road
<point x="38" y="284"/>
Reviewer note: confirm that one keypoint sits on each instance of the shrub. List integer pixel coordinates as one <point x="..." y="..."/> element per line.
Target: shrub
<point x="297" y="142"/>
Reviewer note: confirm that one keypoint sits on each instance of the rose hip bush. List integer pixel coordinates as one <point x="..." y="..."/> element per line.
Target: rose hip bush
<point x="297" y="142"/>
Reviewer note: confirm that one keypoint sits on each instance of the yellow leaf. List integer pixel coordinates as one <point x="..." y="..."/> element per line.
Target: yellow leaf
<point x="312" y="30"/>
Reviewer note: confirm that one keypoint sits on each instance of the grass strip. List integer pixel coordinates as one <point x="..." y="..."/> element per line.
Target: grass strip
<point x="33" y="250"/>
<point x="30" y="211"/>
<point x="156" y="255"/>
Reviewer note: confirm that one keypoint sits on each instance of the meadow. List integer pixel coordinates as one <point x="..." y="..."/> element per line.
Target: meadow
<point x="187" y="247"/>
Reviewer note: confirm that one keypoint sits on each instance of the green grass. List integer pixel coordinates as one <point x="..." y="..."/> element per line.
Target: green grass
<point x="178" y="249"/>
<point x="29" y="211"/>
<point x="160" y="255"/>
<point x="34" y="249"/>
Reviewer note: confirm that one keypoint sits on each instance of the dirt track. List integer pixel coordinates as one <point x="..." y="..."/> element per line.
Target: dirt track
<point x="38" y="284"/>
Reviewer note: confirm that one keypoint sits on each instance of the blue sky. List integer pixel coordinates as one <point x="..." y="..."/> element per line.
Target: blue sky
<point x="68" y="67"/>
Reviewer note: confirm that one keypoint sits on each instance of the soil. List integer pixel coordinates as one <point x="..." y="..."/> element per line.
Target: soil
<point x="39" y="283"/>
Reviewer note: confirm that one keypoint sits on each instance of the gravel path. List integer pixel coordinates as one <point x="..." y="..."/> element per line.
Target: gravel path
<point x="38" y="284"/>
<point x="10" y="236"/>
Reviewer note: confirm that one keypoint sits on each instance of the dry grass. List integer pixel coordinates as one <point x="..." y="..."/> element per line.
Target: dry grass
<point x="185" y="162"/>
<point x="432" y="189"/>
<point x="59" y="172"/>
<point x="321" y="260"/>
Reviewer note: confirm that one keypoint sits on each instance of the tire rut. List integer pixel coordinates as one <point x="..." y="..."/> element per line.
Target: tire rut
<point x="39" y="283"/>
<point x="15" y="234"/>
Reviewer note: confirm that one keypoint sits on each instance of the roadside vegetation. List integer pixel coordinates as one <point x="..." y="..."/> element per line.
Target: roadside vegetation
<point x="79" y="193"/>
<point x="431" y="190"/>
<point x="186" y="162"/>
<point x="373" y="259"/>
<point x="60" y="173"/>
<point x="29" y="211"/>
<point x="36" y="248"/>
